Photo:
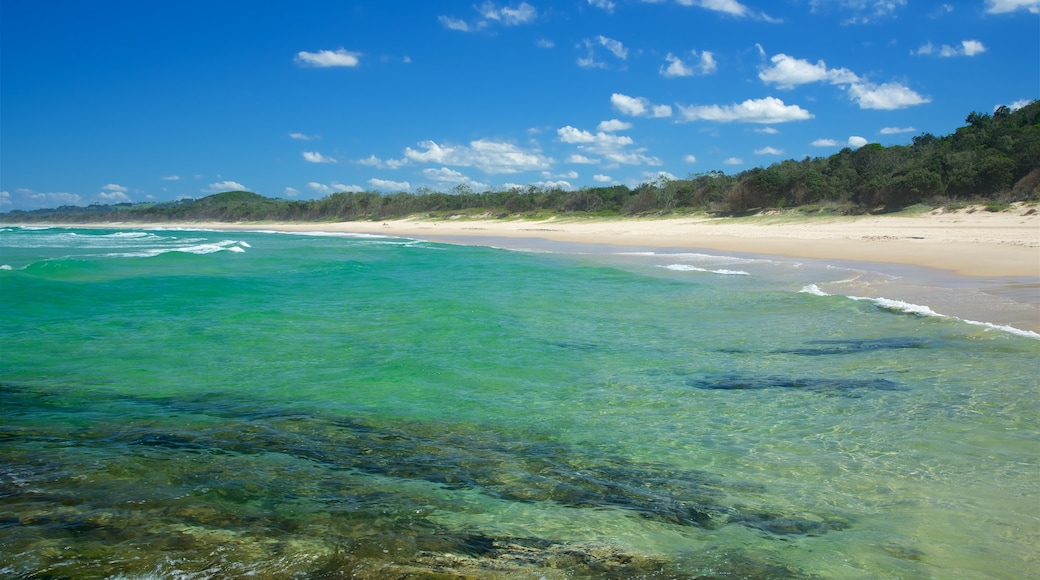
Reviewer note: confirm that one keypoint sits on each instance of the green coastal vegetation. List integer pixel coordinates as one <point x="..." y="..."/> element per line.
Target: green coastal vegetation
<point x="993" y="160"/>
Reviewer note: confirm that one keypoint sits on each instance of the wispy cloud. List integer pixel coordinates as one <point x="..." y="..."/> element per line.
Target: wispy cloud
<point x="769" y="151"/>
<point x="705" y="64"/>
<point x="328" y="58"/>
<point x="492" y="14"/>
<point x="861" y="11"/>
<point x="966" y="48"/>
<point x="1006" y="6"/>
<point x="304" y="137"/>
<point x="604" y="4"/>
<point x="896" y="130"/>
<point x="615" y="47"/>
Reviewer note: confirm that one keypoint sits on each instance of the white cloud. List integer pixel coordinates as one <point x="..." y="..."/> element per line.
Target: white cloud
<point x="659" y="176"/>
<point x="544" y="43"/>
<point x="315" y="157"/>
<point x="677" y="68"/>
<point x="303" y="136"/>
<point x="604" y="4"/>
<point x="445" y="175"/>
<point x="1018" y="104"/>
<point x="788" y="72"/>
<point x="966" y="48"/>
<point x="1005" y="6"/>
<point x="320" y="187"/>
<point x="639" y="106"/>
<point x="488" y="156"/>
<point x="769" y="151"/>
<point x="731" y="7"/>
<point x="113" y="193"/>
<point x="171" y="178"/>
<point x="114" y="196"/>
<point x="887" y="96"/>
<point x="767" y="130"/>
<point x="608" y="145"/>
<point x="732" y="161"/>
<point x="690" y="159"/>
<point x="614" y="125"/>
<point x="328" y="58"/>
<point x="386" y="184"/>
<point x="600" y="178"/>
<point x="333" y="187"/>
<point x="565" y="185"/>
<point x="855" y="141"/>
<point x="582" y="160"/>
<point x="222" y="186"/>
<point x="896" y="130"/>
<point x="766" y="111"/>
<point x="972" y="47"/>
<point x="5" y="198"/>
<point x="600" y="141"/>
<point x="291" y="192"/>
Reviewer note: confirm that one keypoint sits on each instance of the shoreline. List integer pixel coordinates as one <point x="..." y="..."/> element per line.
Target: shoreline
<point x="970" y="264"/>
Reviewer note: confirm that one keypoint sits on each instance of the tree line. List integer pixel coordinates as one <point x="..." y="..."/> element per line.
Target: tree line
<point x="994" y="158"/>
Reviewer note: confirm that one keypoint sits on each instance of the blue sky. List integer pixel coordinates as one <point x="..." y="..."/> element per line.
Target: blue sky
<point x="110" y="101"/>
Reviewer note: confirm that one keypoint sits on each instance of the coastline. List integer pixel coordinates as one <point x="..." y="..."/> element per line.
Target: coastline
<point x="969" y="263"/>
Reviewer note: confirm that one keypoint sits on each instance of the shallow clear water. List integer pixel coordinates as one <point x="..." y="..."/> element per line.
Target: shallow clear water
<point x="198" y="404"/>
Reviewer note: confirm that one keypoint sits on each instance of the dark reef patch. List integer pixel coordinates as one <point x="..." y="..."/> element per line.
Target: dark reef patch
<point x="279" y="493"/>
<point x="858" y="345"/>
<point x="752" y="382"/>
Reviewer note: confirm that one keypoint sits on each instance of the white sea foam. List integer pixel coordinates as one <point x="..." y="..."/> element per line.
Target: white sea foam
<point x="199" y="249"/>
<point x="903" y="307"/>
<point x="5" y="267"/>
<point x="689" y="268"/>
<point x="1006" y="328"/>
<point x="814" y="290"/>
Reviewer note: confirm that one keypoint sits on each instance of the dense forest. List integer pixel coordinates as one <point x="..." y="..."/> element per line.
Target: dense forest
<point x="993" y="159"/>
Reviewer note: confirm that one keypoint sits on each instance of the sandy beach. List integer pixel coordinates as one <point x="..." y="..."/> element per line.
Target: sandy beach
<point x="968" y="242"/>
<point x="969" y="263"/>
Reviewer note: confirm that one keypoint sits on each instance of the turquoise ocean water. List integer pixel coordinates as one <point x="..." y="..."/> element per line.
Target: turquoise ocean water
<point x="198" y="404"/>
